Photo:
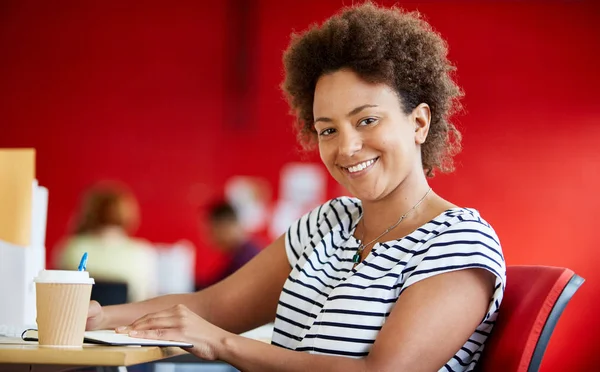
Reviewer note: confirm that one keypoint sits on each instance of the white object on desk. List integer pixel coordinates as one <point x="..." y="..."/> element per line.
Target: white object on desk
<point x="18" y="266"/>
<point x="175" y="268"/>
<point x="15" y="340"/>
<point x="263" y="333"/>
<point x="109" y="337"/>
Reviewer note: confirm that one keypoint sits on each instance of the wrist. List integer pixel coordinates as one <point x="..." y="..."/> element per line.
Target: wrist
<point x="227" y="345"/>
<point x="107" y="321"/>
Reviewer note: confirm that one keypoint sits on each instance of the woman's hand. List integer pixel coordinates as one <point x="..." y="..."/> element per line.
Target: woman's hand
<point x="179" y="323"/>
<point x="96" y="317"/>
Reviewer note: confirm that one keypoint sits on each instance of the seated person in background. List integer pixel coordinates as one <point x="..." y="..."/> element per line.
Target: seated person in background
<point x="230" y="238"/>
<point x="107" y="216"/>
<point x="395" y="278"/>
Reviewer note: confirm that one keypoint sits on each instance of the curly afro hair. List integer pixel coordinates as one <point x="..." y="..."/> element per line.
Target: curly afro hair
<point x="381" y="45"/>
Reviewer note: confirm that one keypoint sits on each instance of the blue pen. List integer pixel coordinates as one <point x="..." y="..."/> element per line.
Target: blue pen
<point x="83" y="262"/>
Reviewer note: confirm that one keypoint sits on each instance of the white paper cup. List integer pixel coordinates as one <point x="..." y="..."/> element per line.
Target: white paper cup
<point x="62" y="302"/>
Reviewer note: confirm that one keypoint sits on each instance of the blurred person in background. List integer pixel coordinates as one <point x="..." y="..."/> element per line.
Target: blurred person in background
<point x="106" y="218"/>
<point x="230" y="238"/>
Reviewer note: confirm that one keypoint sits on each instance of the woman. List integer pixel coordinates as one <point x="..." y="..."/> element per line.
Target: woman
<point x="396" y="278"/>
<point x="108" y="215"/>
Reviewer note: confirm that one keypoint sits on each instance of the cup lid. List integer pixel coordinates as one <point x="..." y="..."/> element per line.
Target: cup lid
<point x="64" y="277"/>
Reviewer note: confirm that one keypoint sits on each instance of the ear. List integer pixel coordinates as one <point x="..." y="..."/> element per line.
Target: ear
<point x="422" y="118"/>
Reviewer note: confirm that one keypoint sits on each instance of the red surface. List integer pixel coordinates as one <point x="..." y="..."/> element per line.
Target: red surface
<point x="137" y="93"/>
<point x="530" y="295"/>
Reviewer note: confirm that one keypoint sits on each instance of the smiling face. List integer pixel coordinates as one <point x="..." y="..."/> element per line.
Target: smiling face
<point x="366" y="141"/>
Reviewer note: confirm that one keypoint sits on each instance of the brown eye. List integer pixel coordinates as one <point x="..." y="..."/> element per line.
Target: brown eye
<point x="326" y="132"/>
<point x="367" y="121"/>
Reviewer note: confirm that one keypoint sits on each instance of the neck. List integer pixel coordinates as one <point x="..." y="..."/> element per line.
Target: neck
<point x="111" y="231"/>
<point x="235" y="243"/>
<point x="378" y="215"/>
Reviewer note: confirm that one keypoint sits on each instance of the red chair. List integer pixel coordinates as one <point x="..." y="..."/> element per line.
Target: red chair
<point x="534" y="300"/>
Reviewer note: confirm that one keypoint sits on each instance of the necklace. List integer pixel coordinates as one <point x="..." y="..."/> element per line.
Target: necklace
<point x="361" y="247"/>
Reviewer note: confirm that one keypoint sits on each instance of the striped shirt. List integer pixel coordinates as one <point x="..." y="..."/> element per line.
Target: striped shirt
<point x="329" y="307"/>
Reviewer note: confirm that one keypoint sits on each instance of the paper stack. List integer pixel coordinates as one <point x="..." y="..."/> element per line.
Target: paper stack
<point x="23" y="211"/>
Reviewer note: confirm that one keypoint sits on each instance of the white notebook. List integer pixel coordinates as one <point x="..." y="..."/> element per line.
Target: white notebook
<point x="109" y="337"/>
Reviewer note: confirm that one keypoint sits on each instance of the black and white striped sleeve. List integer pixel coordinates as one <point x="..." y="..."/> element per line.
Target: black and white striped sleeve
<point x="469" y="243"/>
<point x="301" y="232"/>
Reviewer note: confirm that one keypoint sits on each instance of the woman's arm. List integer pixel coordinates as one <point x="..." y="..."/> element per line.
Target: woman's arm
<point x="430" y="322"/>
<point x="243" y="301"/>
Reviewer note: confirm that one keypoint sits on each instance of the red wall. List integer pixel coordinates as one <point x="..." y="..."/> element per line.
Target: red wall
<point x="139" y="93"/>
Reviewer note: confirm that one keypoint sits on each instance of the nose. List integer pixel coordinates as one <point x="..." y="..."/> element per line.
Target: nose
<point x="350" y="143"/>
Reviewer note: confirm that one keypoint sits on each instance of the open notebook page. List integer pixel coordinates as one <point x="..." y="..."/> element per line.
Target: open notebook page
<point x="109" y="337"/>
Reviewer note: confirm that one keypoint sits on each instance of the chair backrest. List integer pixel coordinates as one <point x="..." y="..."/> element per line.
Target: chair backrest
<point x="534" y="299"/>
<point x="110" y="293"/>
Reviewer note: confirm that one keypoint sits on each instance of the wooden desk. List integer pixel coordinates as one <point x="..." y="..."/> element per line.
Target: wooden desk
<point x="17" y="355"/>
<point x="21" y="356"/>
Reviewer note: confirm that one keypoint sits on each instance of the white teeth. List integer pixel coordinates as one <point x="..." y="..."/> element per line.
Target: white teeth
<point x="360" y="166"/>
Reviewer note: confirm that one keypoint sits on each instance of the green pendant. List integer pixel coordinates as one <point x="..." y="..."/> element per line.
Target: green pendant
<point x="356" y="258"/>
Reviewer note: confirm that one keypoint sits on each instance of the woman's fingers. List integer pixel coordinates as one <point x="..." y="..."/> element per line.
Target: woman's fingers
<point x="94" y="309"/>
<point x="170" y="318"/>
<point x="169" y="334"/>
<point x="178" y="324"/>
<point x="94" y="317"/>
<point x="155" y="323"/>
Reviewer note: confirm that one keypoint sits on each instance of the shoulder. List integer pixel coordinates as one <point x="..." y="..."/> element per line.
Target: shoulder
<point x="465" y="214"/>
<point x="77" y="243"/>
<point x="139" y="242"/>
<point x="342" y="211"/>
<point x="464" y="223"/>
<point x="142" y="246"/>
<point x="70" y="250"/>
<point x="339" y="214"/>
<point x="459" y="238"/>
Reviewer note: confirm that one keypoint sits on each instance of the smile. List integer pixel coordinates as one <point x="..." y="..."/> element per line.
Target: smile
<point x="360" y="166"/>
